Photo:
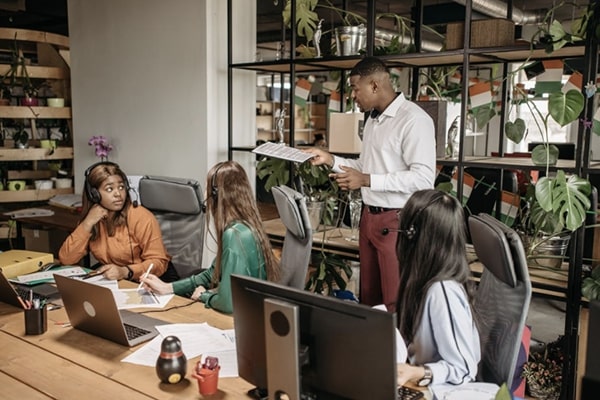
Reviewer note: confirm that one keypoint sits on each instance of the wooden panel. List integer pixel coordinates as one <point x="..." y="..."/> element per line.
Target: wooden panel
<point x="14" y="389"/>
<point x="12" y="154"/>
<point x="64" y="380"/>
<point x="9" y="196"/>
<point x="35" y="112"/>
<point x="34" y="36"/>
<point x="42" y="174"/>
<point x="35" y="71"/>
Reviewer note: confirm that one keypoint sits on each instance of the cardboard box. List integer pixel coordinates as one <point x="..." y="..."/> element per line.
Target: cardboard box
<point x="44" y="240"/>
<point x="345" y="132"/>
<point x="437" y="110"/>
<point x="484" y="33"/>
<point x="20" y="262"/>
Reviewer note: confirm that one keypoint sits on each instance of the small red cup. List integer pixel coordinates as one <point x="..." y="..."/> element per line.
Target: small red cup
<point x="208" y="380"/>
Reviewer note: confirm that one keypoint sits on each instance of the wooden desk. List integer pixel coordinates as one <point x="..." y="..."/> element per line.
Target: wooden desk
<point x="65" y="363"/>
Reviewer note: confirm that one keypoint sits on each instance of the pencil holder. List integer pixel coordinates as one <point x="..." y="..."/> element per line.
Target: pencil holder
<point x="36" y="321"/>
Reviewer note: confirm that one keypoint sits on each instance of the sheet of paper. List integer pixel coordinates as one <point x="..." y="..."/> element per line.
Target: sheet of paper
<point x="48" y="276"/>
<point x="196" y="340"/>
<point x="283" y="151"/>
<point x="133" y="298"/>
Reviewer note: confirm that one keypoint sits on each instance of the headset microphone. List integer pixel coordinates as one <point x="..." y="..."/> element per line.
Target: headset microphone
<point x="409" y="233"/>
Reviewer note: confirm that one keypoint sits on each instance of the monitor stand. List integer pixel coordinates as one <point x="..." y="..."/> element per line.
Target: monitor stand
<point x="282" y="338"/>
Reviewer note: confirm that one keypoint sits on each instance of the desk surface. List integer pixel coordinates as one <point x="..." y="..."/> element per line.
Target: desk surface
<point x="65" y="363"/>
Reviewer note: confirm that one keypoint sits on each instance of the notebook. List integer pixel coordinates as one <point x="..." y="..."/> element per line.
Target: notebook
<point x="16" y="294"/>
<point x="92" y="308"/>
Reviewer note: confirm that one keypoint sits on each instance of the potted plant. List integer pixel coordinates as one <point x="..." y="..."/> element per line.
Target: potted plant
<point x="314" y="183"/>
<point x="20" y="136"/>
<point x="543" y="371"/>
<point x="352" y="29"/>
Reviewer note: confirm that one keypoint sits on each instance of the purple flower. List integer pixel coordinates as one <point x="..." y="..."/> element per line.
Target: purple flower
<point x="102" y="147"/>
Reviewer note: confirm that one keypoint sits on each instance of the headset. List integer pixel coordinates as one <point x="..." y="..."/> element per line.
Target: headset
<point x="411" y="232"/>
<point x="214" y="188"/>
<point x="93" y="194"/>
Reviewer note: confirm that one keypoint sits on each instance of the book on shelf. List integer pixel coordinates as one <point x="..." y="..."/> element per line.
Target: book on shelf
<point x="68" y="201"/>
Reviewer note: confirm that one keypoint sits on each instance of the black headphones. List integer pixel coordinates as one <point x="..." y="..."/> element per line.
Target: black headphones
<point x="411" y="232"/>
<point x="93" y="194"/>
<point x="214" y="188"/>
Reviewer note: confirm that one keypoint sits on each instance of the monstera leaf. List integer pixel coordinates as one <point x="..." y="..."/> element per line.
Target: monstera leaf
<point x="276" y="169"/>
<point x="544" y="154"/>
<point x="567" y="198"/>
<point x="565" y="107"/>
<point x="306" y="17"/>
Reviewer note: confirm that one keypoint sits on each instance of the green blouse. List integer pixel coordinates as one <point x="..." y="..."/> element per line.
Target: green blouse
<point x="241" y="255"/>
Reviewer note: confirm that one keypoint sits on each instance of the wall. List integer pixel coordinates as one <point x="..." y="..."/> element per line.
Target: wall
<point x="151" y="75"/>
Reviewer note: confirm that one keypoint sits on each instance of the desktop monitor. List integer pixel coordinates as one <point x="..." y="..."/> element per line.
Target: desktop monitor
<point x="292" y="341"/>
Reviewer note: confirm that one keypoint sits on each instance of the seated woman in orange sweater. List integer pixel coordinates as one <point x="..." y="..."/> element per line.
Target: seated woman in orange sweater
<point x="123" y="236"/>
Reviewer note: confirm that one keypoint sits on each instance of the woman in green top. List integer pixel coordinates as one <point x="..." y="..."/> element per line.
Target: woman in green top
<point x="243" y="245"/>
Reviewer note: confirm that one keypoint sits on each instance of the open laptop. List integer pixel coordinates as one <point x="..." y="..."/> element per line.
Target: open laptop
<point x="16" y="295"/>
<point x="92" y="308"/>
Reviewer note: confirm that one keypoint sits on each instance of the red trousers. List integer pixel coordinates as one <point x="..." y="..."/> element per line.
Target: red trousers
<point x="379" y="266"/>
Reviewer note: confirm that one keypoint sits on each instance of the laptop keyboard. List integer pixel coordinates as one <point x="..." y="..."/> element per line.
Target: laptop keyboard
<point x="134" y="332"/>
<point x="406" y="393"/>
<point x="24" y="294"/>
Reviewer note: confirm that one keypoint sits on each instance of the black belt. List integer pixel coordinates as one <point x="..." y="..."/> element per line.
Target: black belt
<point x="379" y="210"/>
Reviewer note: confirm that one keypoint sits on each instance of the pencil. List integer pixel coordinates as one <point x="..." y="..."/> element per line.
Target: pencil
<point x="145" y="276"/>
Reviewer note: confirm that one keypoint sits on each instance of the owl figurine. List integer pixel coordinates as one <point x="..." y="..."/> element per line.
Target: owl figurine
<point x="171" y="364"/>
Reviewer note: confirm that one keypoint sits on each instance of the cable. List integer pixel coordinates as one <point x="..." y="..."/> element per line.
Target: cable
<point x="170" y="308"/>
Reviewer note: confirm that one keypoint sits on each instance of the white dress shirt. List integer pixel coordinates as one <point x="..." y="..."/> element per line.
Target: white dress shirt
<point x="398" y="152"/>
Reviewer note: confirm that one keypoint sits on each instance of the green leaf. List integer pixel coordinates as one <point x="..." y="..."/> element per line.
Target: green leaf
<point x="503" y="393"/>
<point x="544" y="155"/>
<point x="483" y="115"/>
<point x="515" y="130"/>
<point x="565" y="108"/>
<point x="566" y="198"/>
<point x="558" y="35"/>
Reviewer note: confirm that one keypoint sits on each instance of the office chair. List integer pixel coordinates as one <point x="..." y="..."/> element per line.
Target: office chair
<point x="177" y="205"/>
<point x="502" y="299"/>
<point x="297" y="244"/>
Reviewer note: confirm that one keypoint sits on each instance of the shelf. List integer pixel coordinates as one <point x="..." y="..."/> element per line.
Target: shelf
<point x="507" y="163"/>
<point x="35" y="112"/>
<point x="452" y="57"/>
<point x="37" y="72"/>
<point x="11" y="34"/>
<point x="60" y="153"/>
<point x="9" y="196"/>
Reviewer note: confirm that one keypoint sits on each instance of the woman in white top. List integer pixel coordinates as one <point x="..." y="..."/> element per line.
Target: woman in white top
<point x="435" y="316"/>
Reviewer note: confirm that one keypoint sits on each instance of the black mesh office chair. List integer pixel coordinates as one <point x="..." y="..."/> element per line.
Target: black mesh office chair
<point x="502" y="298"/>
<point x="177" y="205"/>
<point x="297" y="244"/>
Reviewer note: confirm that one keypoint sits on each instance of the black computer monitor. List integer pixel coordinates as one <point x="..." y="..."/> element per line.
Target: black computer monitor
<point x="329" y="347"/>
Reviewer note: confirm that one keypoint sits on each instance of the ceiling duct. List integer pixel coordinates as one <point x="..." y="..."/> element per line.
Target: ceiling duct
<point x="499" y="9"/>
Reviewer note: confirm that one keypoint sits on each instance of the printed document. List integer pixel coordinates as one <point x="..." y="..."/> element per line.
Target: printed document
<point x="282" y="151"/>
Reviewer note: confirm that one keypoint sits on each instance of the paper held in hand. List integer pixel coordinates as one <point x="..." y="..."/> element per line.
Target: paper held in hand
<point x="282" y="151"/>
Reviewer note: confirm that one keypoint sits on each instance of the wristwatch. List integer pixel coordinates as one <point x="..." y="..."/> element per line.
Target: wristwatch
<point x="129" y="272"/>
<point x="426" y="379"/>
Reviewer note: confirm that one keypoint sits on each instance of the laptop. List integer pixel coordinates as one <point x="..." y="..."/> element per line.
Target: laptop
<point x="92" y="308"/>
<point x="16" y="295"/>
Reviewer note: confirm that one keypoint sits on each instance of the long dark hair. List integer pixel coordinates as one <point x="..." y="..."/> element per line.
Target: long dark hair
<point x="230" y="198"/>
<point x="94" y="178"/>
<point x="431" y="248"/>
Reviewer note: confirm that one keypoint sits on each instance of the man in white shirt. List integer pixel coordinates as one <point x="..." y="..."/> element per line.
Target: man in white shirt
<point x="397" y="159"/>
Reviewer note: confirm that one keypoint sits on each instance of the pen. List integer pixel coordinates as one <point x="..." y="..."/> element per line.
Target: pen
<point x="91" y="274"/>
<point x="145" y="276"/>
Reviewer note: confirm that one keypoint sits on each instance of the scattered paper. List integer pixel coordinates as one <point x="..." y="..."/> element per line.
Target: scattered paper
<point x="283" y="151"/>
<point x="48" y="276"/>
<point x="30" y="213"/>
<point x="134" y="298"/>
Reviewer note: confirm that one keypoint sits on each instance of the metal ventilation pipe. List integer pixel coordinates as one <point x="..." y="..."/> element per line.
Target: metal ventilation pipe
<point x="499" y="9"/>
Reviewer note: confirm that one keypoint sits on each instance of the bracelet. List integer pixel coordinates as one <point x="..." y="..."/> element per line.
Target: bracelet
<point x="130" y="273"/>
<point x="332" y="161"/>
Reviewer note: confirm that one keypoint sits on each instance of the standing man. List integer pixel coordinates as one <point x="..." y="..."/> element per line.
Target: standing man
<point x="397" y="159"/>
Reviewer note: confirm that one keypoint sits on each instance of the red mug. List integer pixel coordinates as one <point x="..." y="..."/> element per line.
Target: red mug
<point x="208" y="380"/>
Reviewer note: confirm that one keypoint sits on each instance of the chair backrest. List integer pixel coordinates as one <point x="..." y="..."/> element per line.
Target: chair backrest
<point x="177" y="205"/>
<point x="297" y="244"/>
<point x="502" y="298"/>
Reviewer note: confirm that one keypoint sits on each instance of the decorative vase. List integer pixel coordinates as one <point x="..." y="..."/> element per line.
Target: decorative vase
<point x="542" y="393"/>
<point x="171" y="364"/>
<point x="29" y="101"/>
